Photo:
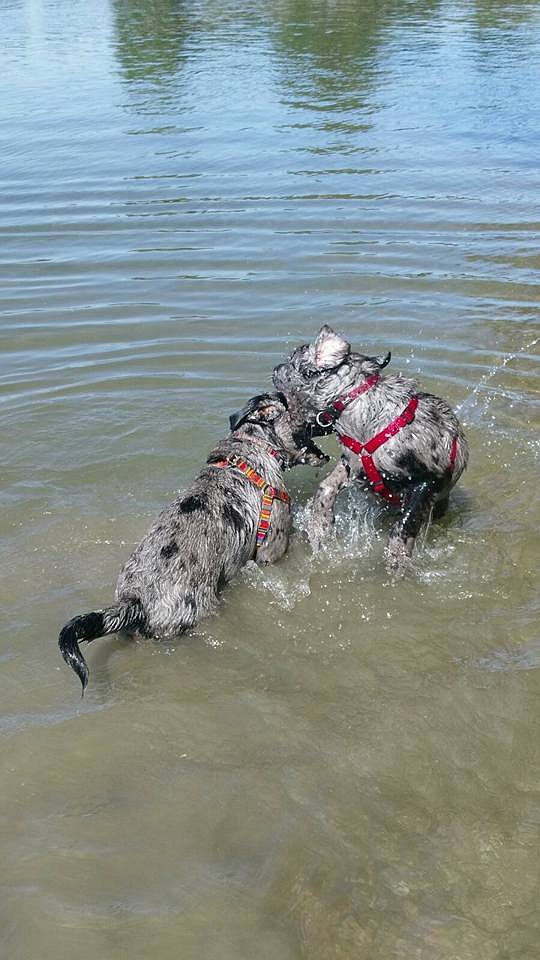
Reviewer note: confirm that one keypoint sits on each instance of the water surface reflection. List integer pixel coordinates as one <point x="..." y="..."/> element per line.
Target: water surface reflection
<point x="334" y="765"/>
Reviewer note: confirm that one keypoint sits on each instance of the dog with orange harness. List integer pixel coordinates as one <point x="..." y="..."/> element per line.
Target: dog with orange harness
<point x="236" y="509"/>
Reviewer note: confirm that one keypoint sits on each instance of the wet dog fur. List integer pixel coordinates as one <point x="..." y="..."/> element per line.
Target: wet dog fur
<point x="203" y="537"/>
<point x="414" y="463"/>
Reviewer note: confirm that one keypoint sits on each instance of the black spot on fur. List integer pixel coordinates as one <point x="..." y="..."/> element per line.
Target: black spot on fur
<point x="412" y="466"/>
<point x="169" y="550"/>
<point x="192" y="503"/>
<point x="189" y="601"/>
<point x="299" y="437"/>
<point x="233" y="516"/>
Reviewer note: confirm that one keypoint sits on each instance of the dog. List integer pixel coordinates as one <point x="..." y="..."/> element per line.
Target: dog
<point x="405" y="445"/>
<point x="235" y="510"/>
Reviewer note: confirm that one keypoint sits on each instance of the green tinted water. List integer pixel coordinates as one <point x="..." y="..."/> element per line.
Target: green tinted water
<point x="334" y="766"/>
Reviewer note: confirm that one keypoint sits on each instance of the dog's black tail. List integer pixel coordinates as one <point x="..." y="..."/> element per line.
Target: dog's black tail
<point x="119" y="616"/>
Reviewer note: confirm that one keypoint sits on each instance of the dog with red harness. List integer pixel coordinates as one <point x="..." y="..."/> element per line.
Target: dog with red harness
<point x="405" y="445"/>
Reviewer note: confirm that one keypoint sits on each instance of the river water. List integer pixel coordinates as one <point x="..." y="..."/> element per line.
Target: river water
<point x="335" y="765"/>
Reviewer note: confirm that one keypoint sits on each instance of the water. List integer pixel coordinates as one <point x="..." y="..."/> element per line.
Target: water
<point x="334" y="765"/>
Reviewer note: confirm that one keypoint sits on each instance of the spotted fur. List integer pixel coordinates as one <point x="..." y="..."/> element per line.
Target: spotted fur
<point x="415" y="463"/>
<point x="203" y="537"/>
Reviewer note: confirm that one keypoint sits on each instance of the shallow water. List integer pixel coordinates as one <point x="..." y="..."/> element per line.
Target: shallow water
<point x="334" y="765"/>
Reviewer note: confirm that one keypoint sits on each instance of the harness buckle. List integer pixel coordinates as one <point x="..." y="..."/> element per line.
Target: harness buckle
<point x="324" y="418"/>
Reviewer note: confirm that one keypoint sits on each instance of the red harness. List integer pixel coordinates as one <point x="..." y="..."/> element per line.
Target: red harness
<point x="327" y="417"/>
<point x="366" y="450"/>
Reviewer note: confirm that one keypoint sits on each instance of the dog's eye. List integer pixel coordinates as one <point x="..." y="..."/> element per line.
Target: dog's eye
<point x="309" y="374"/>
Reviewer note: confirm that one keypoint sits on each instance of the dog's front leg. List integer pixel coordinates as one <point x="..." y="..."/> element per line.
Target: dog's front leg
<point x="277" y="540"/>
<point x="417" y="503"/>
<point x="322" y="514"/>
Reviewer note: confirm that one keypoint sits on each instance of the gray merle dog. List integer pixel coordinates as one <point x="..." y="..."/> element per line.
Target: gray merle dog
<point x="407" y="446"/>
<point x="235" y="510"/>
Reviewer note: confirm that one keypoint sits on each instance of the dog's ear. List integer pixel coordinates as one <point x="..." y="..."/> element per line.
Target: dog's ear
<point x="329" y="349"/>
<point x="370" y="365"/>
<point x="264" y="408"/>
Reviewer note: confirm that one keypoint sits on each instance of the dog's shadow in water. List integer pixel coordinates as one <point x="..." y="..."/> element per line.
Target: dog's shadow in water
<point x="463" y="505"/>
<point x="101" y="655"/>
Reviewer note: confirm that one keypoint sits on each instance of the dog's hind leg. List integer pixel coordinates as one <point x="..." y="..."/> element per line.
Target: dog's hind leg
<point x="417" y="503"/>
<point x="440" y="507"/>
<point x="322" y="515"/>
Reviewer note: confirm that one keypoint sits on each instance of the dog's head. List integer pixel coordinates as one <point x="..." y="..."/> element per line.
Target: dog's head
<point x="267" y="417"/>
<point x="318" y="373"/>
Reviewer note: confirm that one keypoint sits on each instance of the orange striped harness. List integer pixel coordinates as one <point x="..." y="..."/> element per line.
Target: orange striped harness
<point x="269" y="493"/>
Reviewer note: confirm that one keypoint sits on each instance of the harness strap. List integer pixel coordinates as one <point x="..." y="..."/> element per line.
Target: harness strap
<point x="269" y="493"/>
<point x="332" y="412"/>
<point x="453" y="454"/>
<point x="365" y="451"/>
<point x="370" y="470"/>
<point x="394" y="427"/>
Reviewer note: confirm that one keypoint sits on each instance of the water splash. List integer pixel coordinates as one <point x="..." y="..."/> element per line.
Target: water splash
<point x="286" y="587"/>
<point x="357" y="535"/>
<point x="492" y="372"/>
